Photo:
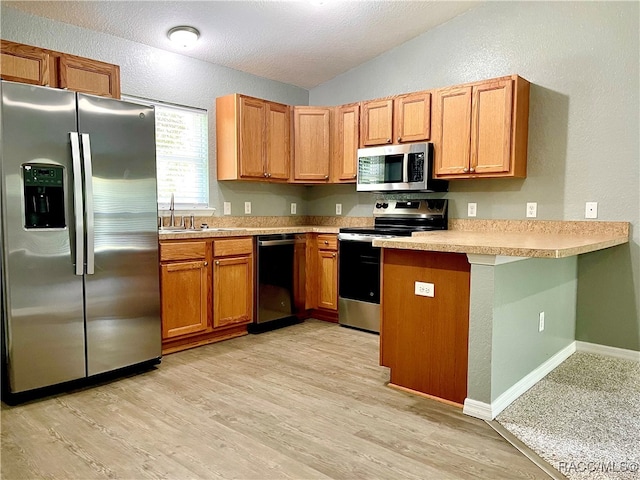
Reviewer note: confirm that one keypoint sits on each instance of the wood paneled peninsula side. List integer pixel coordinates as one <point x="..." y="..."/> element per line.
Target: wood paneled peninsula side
<point x="500" y="313"/>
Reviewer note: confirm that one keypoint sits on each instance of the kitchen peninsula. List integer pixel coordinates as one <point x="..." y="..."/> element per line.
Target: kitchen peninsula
<point x="492" y="285"/>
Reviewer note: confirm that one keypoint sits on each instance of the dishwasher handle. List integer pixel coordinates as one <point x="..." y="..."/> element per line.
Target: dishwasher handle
<point x="272" y="243"/>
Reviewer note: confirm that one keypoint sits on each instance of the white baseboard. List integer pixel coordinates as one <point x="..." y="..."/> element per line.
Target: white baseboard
<point x="485" y="411"/>
<point x="477" y="409"/>
<point x="608" y="351"/>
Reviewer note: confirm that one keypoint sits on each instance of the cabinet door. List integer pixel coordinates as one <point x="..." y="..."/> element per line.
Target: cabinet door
<point x="232" y="290"/>
<point x="491" y="127"/>
<point x="184" y="297"/>
<point x="312" y="147"/>
<point x="413" y="117"/>
<point x="452" y="122"/>
<point x="23" y="63"/>
<point x="252" y="131"/>
<point x="328" y="278"/>
<point x="278" y="142"/>
<point x="377" y="123"/>
<point x="89" y="76"/>
<point x="347" y="137"/>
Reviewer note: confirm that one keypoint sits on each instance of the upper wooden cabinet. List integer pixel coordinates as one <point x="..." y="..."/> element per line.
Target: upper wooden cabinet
<point x="24" y="63"/>
<point x="412" y="117"/>
<point x="252" y="139"/>
<point x="38" y="66"/>
<point x="377" y="122"/>
<point x="312" y="144"/>
<point x="89" y="76"/>
<point x="481" y="129"/>
<point x="406" y="118"/>
<point x="346" y="136"/>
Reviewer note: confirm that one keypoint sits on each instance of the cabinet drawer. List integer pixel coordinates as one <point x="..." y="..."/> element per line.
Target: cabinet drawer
<point x="327" y="242"/>
<point x="232" y="246"/>
<point x="182" y="250"/>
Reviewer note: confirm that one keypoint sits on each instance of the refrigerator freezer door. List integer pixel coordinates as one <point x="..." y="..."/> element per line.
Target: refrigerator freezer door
<point x="122" y="294"/>
<point x="42" y="297"/>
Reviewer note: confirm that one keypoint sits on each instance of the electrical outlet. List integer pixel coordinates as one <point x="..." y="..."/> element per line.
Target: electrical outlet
<point x="532" y="209"/>
<point x="591" y="210"/>
<point x="424" y="289"/>
<point x="227" y="208"/>
<point x="293" y="208"/>
<point x="541" y="322"/>
<point x="338" y="209"/>
<point x="247" y="207"/>
<point x="472" y="209"/>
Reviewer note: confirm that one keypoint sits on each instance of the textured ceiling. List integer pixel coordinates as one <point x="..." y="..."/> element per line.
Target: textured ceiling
<point x="295" y="42"/>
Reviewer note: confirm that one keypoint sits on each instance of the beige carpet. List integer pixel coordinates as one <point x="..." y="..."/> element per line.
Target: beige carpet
<point x="583" y="418"/>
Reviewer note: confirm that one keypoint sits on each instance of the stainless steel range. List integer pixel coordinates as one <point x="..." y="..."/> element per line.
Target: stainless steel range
<point x="359" y="269"/>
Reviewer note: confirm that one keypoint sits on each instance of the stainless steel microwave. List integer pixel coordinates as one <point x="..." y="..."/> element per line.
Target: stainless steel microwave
<point x="400" y="168"/>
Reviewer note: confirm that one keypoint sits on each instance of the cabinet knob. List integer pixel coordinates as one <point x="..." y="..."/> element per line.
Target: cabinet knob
<point x="326" y="177"/>
<point x="333" y="255"/>
<point x="399" y="139"/>
<point x="355" y="175"/>
<point x="465" y="170"/>
<point x="326" y="242"/>
<point x="388" y="140"/>
<point x="472" y="169"/>
<point x="265" y="174"/>
<point x="268" y="175"/>
<point x="206" y="263"/>
<point x="217" y="262"/>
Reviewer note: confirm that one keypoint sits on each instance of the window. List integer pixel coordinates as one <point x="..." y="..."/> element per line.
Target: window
<point x="182" y="160"/>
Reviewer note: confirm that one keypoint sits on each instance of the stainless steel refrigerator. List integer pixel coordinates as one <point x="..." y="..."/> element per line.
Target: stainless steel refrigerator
<point x="80" y="288"/>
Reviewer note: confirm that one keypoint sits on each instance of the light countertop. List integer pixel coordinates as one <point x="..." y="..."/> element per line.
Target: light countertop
<point x="507" y="243"/>
<point x="242" y="232"/>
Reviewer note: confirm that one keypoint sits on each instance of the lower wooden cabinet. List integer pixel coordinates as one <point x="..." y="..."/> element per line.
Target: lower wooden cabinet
<point x="328" y="279"/>
<point x="233" y="282"/>
<point x="184" y="298"/>
<point x="322" y="276"/>
<point x="207" y="291"/>
<point x="207" y="286"/>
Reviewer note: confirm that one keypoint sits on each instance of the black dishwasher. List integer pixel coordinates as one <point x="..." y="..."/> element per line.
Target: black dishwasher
<point x="275" y="305"/>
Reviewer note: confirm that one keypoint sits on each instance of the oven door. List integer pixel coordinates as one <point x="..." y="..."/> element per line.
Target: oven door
<point x="359" y="294"/>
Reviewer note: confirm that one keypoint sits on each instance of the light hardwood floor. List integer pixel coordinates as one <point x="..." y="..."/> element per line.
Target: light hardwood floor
<point x="307" y="401"/>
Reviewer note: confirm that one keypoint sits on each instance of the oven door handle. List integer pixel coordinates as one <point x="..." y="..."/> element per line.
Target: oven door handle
<point x="350" y="237"/>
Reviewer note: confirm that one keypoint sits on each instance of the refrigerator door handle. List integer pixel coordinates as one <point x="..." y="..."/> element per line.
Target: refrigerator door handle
<point x="77" y="202"/>
<point x="88" y="199"/>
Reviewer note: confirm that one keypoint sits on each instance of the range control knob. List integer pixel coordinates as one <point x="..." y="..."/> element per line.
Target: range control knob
<point x="378" y="205"/>
<point x="385" y="205"/>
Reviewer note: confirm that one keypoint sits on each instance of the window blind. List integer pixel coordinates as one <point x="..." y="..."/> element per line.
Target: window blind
<point x="182" y="160"/>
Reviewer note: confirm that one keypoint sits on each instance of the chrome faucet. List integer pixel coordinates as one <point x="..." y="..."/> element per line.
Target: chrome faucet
<point x="172" y="217"/>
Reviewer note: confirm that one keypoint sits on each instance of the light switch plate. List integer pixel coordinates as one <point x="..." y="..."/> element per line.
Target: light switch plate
<point x="294" y="208"/>
<point x="338" y="209"/>
<point x="227" y="208"/>
<point x="247" y="208"/>
<point x="472" y="209"/>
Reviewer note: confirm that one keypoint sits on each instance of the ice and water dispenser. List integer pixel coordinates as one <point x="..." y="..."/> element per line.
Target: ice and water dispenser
<point x="43" y="196"/>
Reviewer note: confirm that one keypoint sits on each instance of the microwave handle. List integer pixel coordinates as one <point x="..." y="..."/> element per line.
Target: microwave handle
<point x="405" y="169"/>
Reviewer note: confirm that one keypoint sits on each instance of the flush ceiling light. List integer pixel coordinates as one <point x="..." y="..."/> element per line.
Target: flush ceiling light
<point x="183" y="36"/>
